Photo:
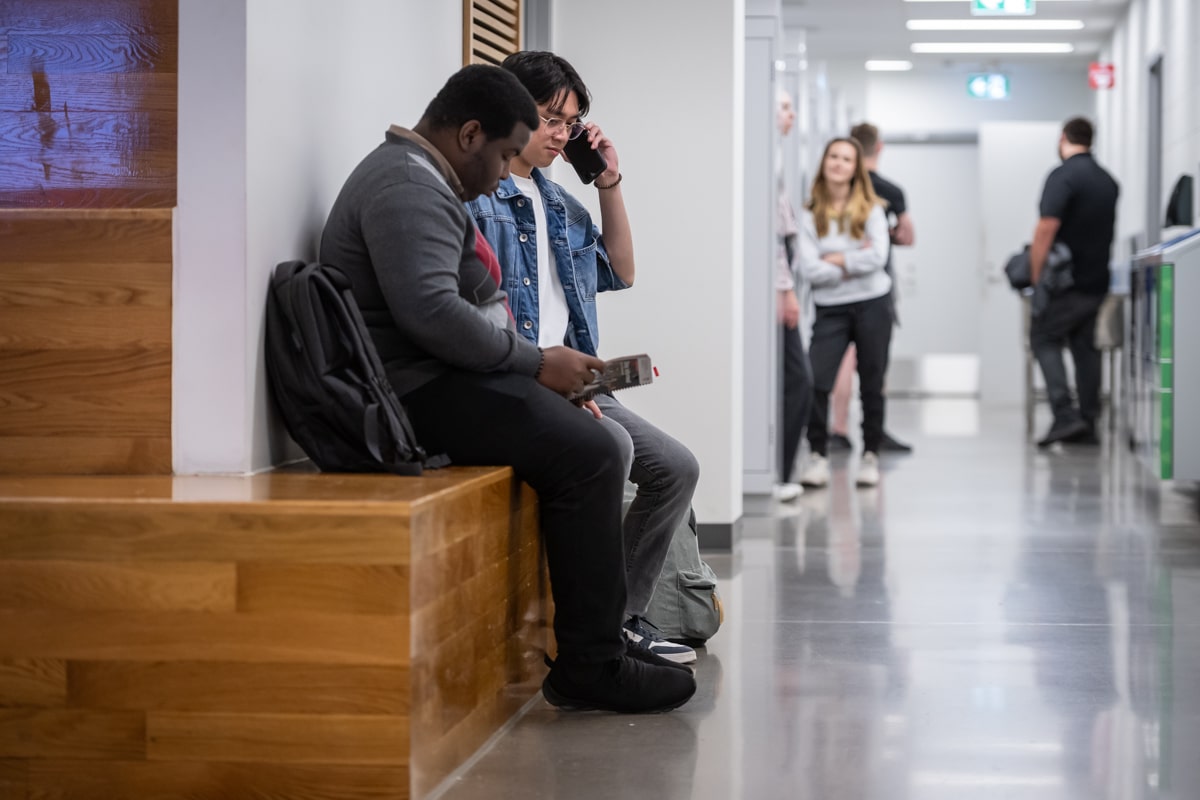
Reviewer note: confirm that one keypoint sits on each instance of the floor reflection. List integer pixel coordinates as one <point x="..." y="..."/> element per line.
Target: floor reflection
<point x="990" y="622"/>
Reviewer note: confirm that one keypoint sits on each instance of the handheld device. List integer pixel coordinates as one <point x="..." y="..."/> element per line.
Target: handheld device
<point x="588" y="163"/>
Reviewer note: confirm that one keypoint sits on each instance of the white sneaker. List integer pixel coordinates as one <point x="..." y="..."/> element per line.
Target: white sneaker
<point x="787" y="492"/>
<point x="816" y="474"/>
<point x="868" y="470"/>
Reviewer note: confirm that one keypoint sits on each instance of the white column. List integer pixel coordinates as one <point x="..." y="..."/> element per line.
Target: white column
<point x="210" y="409"/>
<point x="763" y="435"/>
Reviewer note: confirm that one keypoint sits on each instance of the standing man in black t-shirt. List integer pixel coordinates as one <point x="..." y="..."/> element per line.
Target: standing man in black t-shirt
<point x="1079" y="209"/>
<point x="901" y="231"/>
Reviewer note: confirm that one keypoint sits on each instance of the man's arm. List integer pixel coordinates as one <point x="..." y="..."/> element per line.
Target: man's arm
<point x="903" y="233"/>
<point x="1043" y="240"/>
<point x="414" y="236"/>
<point x="614" y="220"/>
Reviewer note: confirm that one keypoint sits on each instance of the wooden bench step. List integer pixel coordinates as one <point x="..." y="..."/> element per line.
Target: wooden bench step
<point x="356" y="636"/>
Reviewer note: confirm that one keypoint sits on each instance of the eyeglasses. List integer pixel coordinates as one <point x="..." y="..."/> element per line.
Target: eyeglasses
<point x="554" y="125"/>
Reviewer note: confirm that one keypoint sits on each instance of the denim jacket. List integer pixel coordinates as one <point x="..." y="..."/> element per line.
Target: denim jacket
<point x="507" y="222"/>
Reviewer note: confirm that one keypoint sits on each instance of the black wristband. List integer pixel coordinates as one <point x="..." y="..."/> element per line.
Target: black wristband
<point x="541" y="363"/>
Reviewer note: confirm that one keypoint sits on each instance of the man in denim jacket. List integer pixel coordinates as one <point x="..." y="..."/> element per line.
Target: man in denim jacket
<point x="554" y="260"/>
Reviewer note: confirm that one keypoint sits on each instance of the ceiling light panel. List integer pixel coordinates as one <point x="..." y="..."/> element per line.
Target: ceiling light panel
<point x="992" y="47"/>
<point x="977" y="25"/>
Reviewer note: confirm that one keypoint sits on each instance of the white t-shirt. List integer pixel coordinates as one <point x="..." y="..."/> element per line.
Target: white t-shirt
<point x="553" y="314"/>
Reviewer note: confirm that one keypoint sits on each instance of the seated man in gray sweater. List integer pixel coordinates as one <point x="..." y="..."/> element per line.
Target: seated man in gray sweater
<point x="428" y="286"/>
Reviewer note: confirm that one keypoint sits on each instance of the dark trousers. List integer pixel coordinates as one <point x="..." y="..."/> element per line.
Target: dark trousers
<point x="577" y="470"/>
<point x="1069" y="320"/>
<point x="868" y="324"/>
<point x="797" y="398"/>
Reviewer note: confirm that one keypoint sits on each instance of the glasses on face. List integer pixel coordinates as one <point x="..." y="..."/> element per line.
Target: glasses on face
<point x="554" y="125"/>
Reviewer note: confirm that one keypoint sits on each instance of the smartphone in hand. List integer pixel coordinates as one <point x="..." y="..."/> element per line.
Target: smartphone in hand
<point x="588" y="163"/>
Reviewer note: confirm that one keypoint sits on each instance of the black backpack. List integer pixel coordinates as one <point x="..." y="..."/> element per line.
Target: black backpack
<point x="328" y="381"/>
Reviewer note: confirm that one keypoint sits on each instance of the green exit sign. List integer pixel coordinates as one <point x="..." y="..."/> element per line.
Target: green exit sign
<point x="1002" y="7"/>
<point x="988" y="86"/>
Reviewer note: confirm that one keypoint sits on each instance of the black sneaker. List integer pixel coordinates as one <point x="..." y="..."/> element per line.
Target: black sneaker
<point x="1063" y="432"/>
<point x="839" y="443"/>
<point x="890" y="444"/>
<point x="1087" y="437"/>
<point x="626" y="685"/>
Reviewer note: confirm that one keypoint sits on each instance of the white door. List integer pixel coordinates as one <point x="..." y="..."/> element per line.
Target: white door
<point x="1014" y="159"/>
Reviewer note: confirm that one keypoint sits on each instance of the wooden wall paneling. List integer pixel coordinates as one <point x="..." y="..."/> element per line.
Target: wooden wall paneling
<point x="104" y="236"/>
<point x="72" y="733"/>
<point x="90" y="103"/>
<point x="33" y="683"/>
<point x="130" y="17"/>
<point x="55" y="53"/>
<point x="239" y="687"/>
<point x="155" y="94"/>
<point x="38" y="455"/>
<point x="85" y="393"/>
<point x="85" y="341"/>
<point x="14" y="779"/>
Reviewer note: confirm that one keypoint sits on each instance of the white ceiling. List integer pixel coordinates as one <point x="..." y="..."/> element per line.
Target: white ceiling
<point x="862" y="29"/>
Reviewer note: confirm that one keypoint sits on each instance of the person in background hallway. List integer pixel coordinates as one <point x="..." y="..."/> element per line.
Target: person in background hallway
<point x="901" y="229"/>
<point x="1078" y="208"/>
<point x="428" y="286"/>
<point x="554" y="260"/>
<point x="843" y="250"/>
<point x="797" y="378"/>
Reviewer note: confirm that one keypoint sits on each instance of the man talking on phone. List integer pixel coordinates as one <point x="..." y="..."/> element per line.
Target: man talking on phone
<point x="554" y="260"/>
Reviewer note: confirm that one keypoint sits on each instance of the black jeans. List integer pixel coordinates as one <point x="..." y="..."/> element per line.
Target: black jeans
<point x="577" y="470"/>
<point x="1069" y="320"/>
<point x="797" y="398"/>
<point x="868" y="324"/>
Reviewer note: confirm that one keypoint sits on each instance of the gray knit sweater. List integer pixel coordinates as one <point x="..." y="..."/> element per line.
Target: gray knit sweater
<point x="420" y="276"/>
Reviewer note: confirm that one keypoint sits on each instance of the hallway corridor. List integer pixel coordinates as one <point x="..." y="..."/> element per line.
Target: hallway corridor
<point x="990" y="622"/>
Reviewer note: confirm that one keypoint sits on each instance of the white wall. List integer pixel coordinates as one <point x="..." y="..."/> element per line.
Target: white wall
<point x="667" y="81"/>
<point x="278" y="102"/>
<point x="324" y="82"/>
<point x="1170" y="28"/>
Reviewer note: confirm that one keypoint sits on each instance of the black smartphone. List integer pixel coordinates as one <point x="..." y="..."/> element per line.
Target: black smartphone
<point x="588" y="163"/>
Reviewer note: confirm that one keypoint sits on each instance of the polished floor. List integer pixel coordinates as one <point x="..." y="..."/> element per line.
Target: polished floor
<point x="990" y="622"/>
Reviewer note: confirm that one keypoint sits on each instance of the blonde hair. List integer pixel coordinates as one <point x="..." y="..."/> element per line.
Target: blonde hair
<point x="860" y="203"/>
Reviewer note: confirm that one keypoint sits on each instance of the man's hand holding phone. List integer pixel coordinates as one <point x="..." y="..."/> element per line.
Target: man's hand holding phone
<point x="593" y="156"/>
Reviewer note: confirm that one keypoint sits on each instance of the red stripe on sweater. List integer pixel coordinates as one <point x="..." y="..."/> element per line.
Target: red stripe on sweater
<point x="487" y="255"/>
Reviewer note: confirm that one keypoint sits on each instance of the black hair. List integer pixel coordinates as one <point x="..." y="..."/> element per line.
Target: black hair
<point x="1079" y="131"/>
<point x="488" y="94"/>
<point x="548" y="77"/>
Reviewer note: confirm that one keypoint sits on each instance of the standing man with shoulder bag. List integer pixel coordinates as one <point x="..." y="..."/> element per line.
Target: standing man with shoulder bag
<point x="1079" y="209"/>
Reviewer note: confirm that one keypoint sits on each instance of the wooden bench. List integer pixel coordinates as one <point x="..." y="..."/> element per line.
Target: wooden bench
<point x="281" y="635"/>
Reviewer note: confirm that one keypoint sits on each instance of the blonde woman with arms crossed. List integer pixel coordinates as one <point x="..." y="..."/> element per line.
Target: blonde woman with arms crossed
<point x="843" y="251"/>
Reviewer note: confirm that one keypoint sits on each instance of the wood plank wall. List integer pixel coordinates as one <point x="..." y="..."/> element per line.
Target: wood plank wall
<point x="88" y="103"/>
<point x="88" y="122"/>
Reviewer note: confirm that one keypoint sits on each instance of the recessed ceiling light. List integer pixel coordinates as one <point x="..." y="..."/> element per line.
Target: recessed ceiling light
<point x="992" y="47"/>
<point x="995" y="24"/>
<point x="879" y="65"/>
